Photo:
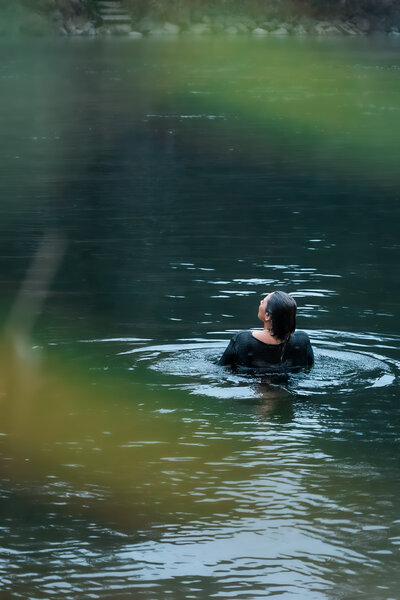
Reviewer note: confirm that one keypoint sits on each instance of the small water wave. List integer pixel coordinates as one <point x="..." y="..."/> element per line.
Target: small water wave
<point x="344" y="363"/>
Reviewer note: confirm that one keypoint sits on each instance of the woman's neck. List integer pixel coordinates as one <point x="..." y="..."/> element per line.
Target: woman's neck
<point x="265" y="335"/>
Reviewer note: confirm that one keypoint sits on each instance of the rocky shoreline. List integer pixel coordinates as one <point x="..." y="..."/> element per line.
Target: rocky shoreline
<point x="230" y="26"/>
<point x="110" y="17"/>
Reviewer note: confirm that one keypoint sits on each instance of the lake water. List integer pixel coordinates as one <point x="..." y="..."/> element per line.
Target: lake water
<point x="165" y="186"/>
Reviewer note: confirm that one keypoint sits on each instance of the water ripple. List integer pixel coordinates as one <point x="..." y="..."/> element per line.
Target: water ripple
<point x="344" y="363"/>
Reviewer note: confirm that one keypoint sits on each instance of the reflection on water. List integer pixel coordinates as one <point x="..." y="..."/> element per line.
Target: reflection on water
<point x="187" y="184"/>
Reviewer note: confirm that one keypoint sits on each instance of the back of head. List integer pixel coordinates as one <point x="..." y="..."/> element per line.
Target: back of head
<point x="282" y="309"/>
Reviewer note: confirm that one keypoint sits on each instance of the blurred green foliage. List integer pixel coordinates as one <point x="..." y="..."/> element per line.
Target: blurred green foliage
<point x="267" y="8"/>
<point x="25" y="17"/>
<point x="36" y="17"/>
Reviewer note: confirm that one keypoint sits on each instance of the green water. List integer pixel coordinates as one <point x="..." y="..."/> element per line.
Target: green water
<point x="163" y="187"/>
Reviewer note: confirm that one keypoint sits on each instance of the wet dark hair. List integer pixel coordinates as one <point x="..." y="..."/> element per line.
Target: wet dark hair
<point x="282" y="309"/>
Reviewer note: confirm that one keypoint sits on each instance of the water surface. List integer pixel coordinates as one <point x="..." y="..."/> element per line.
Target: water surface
<point x="188" y="179"/>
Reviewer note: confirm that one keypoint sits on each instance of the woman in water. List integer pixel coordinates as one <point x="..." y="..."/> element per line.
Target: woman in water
<point x="276" y="346"/>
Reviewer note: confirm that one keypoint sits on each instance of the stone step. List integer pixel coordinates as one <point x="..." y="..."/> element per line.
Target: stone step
<point x="111" y="11"/>
<point x="108" y="4"/>
<point x="115" y="14"/>
<point x="103" y="9"/>
<point x="115" y="18"/>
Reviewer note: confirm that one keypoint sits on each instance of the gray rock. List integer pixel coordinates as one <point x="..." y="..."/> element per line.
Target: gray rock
<point x="326" y="28"/>
<point x="259" y="31"/>
<point x="78" y="25"/>
<point x="88" y="29"/>
<point x="121" y="29"/>
<point x="299" y="30"/>
<point x="394" y="33"/>
<point x="279" y="31"/>
<point x="171" y="28"/>
<point x="270" y="25"/>
<point x="199" y="29"/>
<point x="232" y="30"/>
<point x="242" y="27"/>
<point x="135" y="34"/>
<point x="69" y="25"/>
<point x="147" y="24"/>
<point x="362" y="24"/>
<point x="156" y="31"/>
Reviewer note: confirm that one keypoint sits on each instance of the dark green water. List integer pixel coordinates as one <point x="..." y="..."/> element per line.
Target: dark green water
<point x="187" y="179"/>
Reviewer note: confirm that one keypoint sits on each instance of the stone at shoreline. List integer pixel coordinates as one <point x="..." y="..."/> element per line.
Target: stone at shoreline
<point x="166" y="28"/>
<point x="280" y="31"/>
<point x="199" y="29"/>
<point x="242" y="27"/>
<point x="147" y="24"/>
<point x="299" y="30"/>
<point x="362" y="24"/>
<point x="89" y="29"/>
<point x="326" y="28"/>
<point x="78" y="17"/>
<point x="156" y="31"/>
<point x="269" y="25"/>
<point x="259" y="31"/>
<point x="79" y="26"/>
<point x="171" y="28"/>
<point x="228" y="24"/>
<point x="70" y="27"/>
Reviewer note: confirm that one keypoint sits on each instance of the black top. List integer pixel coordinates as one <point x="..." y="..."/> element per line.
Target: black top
<point x="248" y="354"/>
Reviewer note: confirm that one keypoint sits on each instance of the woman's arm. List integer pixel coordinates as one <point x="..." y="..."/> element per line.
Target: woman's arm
<point x="229" y="356"/>
<point x="310" y="355"/>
